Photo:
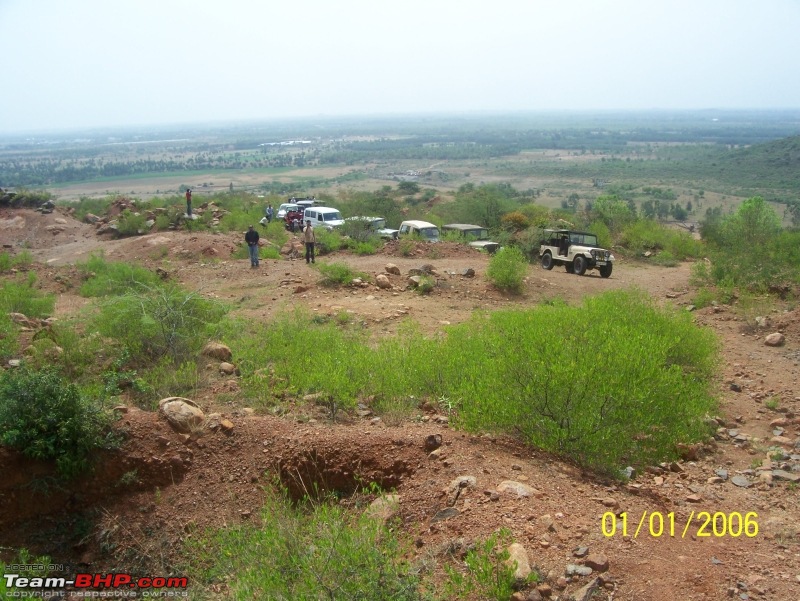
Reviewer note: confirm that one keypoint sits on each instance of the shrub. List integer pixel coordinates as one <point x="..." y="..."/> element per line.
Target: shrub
<point x="337" y="274"/>
<point x="45" y="417"/>
<point x="307" y="552"/>
<point x="159" y="322"/>
<point x="426" y="284"/>
<point x="106" y="278"/>
<point x="507" y="269"/>
<point x="131" y="224"/>
<point x="611" y="382"/>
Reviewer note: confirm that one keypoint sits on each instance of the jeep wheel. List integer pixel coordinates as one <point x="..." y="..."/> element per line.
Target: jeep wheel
<point x="547" y="261"/>
<point x="605" y="270"/>
<point x="568" y="267"/>
<point x="579" y="265"/>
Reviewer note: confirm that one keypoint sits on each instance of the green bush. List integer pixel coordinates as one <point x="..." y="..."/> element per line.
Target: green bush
<point x="750" y="251"/>
<point x="159" y="322"/>
<point x="45" y="417"/>
<point x="310" y="551"/>
<point x="20" y="296"/>
<point x="646" y="235"/>
<point x="107" y="278"/>
<point x="614" y="381"/>
<point x="337" y="274"/>
<point x="507" y="269"/>
<point x="131" y="224"/>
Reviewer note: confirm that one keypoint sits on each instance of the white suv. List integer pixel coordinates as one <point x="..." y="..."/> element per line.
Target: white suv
<point x="326" y="217"/>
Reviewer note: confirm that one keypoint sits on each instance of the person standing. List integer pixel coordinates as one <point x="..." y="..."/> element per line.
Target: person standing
<point x="311" y="239"/>
<point x="251" y="237"/>
<point x="270" y="214"/>
<point x="189" y="202"/>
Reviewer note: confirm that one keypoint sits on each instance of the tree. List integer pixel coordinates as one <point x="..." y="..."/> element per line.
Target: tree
<point x="408" y="187"/>
<point x="753" y="224"/>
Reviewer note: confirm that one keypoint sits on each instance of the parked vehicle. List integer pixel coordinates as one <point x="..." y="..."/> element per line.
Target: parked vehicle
<point x="294" y="219"/>
<point x="375" y="225"/>
<point x="326" y="217"/>
<point x="285" y="207"/>
<point x="427" y="231"/>
<point x="477" y="236"/>
<point x="576" y="251"/>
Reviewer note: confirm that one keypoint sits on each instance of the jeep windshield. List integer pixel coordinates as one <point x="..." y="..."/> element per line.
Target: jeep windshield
<point x="429" y="233"/>
<point x="582" y="239"/>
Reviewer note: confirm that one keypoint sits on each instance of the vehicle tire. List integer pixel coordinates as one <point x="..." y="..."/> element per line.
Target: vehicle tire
<point x="605" y="270"/>
<point x="547" y="261"/>
<point x="569" y="268"/>
<point x="579" y="265"/>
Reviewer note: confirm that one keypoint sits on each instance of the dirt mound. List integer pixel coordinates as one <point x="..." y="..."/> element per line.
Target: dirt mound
<point x="428" y="250"/>
<point x="27" y="229"/>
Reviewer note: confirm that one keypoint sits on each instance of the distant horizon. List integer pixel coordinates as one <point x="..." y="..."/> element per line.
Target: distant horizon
<point x="398" y="116"/>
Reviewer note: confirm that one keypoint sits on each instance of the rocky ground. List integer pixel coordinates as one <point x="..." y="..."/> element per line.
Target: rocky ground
<point x="449" y="496"/>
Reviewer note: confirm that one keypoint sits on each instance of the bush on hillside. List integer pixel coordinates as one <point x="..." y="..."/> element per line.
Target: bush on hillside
<point x="507" y="269"/>
<point x="45" y="417"/>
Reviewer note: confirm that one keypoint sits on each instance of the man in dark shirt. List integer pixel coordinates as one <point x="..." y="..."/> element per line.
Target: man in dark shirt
<point x="251" y="237"/>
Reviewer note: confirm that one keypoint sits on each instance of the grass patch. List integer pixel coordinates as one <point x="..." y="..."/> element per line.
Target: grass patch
<point x="21" y="296"/>
<point x="22" y="260"/>
<point x="615" y="381"/>
<point x="308" y="551"/>
<point x="108" y="278"/>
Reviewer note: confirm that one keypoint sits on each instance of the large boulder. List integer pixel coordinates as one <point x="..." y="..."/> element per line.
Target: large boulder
<point x="182" y="414"/>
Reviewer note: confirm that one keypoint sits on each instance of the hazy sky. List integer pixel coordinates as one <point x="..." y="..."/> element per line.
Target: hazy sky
<point x="77" y="63"/>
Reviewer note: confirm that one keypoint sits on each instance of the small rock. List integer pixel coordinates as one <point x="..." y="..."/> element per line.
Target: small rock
<point x="576" y="570"/>
<point x="383" y="282"/>
<point x="433" y="442"/>
<point x="227" y="368"/>
<point x="445" y="514"/>
<point x="597" y="561"/>
<point x="694" y="499"/>
<point x="392" y="268"/>
<point x="468" y="272"/>
<point x="518" y="561"/>
<point x="587" y="592"/>
<point x="518" y="488"/>
<point x="775" y="339"/>
<point x="182" y="414"/>
<point x="741" y="481"/>
<point x="784" y="475"/>
<point x="384" y="508"/>
<point x="580" y="551"/>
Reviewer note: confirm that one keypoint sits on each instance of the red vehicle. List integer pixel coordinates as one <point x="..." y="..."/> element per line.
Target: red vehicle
<point x="294" y="220"/>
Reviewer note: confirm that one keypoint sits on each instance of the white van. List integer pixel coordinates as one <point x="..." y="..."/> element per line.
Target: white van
<point x="326" y="217"/>
<point x="427" y="231"/>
